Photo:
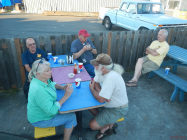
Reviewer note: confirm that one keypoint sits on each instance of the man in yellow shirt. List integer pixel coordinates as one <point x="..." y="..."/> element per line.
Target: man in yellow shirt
<point x="152" y="61"/>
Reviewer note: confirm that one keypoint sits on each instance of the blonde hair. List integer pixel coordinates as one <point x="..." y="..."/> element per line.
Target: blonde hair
<point x="40" y="67"/>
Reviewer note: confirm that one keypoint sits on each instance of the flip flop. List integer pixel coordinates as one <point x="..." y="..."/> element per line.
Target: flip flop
<point x="106" y="133"/>
<point x="131" y="84"/>
<point x="113" y="129"/>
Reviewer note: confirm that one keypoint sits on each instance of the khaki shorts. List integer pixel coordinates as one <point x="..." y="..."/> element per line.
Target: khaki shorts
<point x="110" y="115"/>
<point x="148" y="65"/>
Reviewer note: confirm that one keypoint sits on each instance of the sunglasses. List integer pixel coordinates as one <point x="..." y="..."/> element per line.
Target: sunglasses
<point x="32" y="44"/>
<point x="40" y="62"/>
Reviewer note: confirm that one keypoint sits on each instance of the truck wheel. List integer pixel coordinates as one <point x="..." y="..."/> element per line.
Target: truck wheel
<point x="107" y="23"/>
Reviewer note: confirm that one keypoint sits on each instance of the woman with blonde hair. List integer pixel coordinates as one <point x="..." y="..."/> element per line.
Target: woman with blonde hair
<point x="42" y="107"/>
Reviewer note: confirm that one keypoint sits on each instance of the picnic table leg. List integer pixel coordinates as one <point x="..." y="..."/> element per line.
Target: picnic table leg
<point x="151" y="74"/>
<point x="181" y="95"/>
<point x="174" y="69"/>
<point x="174" y="94"/>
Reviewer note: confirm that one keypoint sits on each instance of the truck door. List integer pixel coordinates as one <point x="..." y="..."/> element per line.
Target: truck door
<point x="120" y="14"/>
<point x="129" y="18"/>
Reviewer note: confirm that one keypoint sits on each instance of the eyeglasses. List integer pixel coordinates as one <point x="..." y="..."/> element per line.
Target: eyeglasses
<point x="32" y="44"/>
<point x="40" y="62"/>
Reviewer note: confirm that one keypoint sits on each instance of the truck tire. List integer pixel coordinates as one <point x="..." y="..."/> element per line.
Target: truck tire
<point x="107" y="23"/>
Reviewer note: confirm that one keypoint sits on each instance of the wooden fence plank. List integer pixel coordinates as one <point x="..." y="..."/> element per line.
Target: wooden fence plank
<point x="16" y="64"/>
<point x="178" y="37"/>
<point x="148" y="39"/>
<point x="18" y="51"/>
<point x="9" y="62"/>
<point x="37" y="41"/>
<point x="170" y="31"/>
<point x="121" y="48"/>
<point x="96" y="42"/>
<point x="68" y="43"/>
<point x="105" y="43"/>
<point x="173" y="37"/>
<point x="42" y="44"/>
<point x="4" y="79"/>
<point x="117" y="49"/>
<point x="53" y="44"/>
<point x="127" y="50"/>
<point x="63" y="39"/>
<point x="134" y="49"/>
<point x="112" y="45"/>
<point x="58" y="45"/>
<point x="47" y="44"/>
<point x="183" y="35"/>
<point x="141" y="44"/>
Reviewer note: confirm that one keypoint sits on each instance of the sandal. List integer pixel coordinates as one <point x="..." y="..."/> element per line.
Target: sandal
<point x="113" y="129"/>
<point x="131" y="84"/>
<point x="106" y="133"/>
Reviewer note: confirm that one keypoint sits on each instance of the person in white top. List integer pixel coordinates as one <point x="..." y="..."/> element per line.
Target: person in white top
<point x="108" y="86"/>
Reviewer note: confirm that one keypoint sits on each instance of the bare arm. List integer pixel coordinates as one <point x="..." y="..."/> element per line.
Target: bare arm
<point x="57" y="86"/>
<point x="27" y="67"/>
<point x="152" y="51"/>
<point x="95" y="93"/>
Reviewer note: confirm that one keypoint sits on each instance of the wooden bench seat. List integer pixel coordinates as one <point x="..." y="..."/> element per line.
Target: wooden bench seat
<point x="180" y="84"/>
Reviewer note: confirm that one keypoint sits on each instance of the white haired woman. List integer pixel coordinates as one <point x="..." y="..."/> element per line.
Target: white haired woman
<point x="42" y="108"/>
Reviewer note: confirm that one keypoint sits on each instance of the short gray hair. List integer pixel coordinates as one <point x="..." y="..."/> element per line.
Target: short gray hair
<point x="39" y="67"/>
<point x="27" y="40"/>
<point x="165" y="32"/>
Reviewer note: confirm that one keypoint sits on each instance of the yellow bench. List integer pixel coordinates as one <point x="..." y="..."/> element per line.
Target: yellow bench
<point x="44" y="132"/>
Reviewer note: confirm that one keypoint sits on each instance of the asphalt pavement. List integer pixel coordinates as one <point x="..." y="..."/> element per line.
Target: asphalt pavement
<point x="151" y="116"/>
<point x="31" y="25"/>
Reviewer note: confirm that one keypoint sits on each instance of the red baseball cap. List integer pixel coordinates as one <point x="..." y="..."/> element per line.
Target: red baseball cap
<point x="84" y="33"/>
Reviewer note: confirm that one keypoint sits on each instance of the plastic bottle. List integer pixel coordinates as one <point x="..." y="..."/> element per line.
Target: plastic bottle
<point x="75" y="69"/>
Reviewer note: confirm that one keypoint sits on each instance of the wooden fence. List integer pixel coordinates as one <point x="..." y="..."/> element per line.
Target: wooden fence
<point x="124" y="48"/>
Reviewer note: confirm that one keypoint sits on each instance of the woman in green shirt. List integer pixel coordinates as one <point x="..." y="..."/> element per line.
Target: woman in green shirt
<point x="42" y="107"/>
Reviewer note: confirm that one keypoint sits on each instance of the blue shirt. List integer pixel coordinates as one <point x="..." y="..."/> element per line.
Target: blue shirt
<point x="77" y="45"/>
<point x="29" y="58"/>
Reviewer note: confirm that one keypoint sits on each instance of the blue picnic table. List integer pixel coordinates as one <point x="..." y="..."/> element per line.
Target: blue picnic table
<point x="178" y="57"/>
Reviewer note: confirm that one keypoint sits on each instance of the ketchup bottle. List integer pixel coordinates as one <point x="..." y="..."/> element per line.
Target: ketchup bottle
<point x="75" y="69"/>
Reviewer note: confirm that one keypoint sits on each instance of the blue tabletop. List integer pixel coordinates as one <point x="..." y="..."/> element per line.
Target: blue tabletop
<point x="59" y="65"/>
<point x="178" y="53"/>
<point x="81" y="99"/>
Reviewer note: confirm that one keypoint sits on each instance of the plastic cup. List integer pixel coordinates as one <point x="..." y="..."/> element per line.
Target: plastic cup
<point x="80" y="66"/>
<point x="167" y="71"/>
<point x="49" y="55"/>
<point x="78" y="82"/>
<point x="55" y="60"/>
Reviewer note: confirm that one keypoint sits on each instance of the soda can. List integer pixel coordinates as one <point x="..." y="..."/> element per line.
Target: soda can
<point x="55" y="60"/>
<point x="78" y="82"/>
<point x="167" y="71"/>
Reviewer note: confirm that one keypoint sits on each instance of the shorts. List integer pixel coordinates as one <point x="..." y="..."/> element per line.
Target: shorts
<point x="110" y="115"/>
<point x="68" y="120"/>
<point x="148" y="65"/>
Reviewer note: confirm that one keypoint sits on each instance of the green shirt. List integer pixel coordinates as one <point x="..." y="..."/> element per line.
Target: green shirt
<point x="42" y="104"/>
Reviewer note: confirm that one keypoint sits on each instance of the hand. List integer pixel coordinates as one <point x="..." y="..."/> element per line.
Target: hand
<point x="64" y="87"/>
<point x="69" y="90"/>
<point x="91" y="85"/>
<point x="86" y="48"/>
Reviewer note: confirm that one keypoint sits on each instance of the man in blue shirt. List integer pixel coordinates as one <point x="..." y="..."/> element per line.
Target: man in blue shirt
<point x="28" y="57"/>
<point x="83" y="50"/>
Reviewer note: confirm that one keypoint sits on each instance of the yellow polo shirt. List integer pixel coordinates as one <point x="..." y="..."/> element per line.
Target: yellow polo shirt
<point x="163" y="50"/>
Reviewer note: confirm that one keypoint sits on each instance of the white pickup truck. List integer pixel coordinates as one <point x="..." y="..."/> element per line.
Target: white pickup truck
<point x="138" y="15"/>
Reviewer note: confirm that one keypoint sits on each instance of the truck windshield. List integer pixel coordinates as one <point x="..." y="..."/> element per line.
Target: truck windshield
<point x="147" y="8"/>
